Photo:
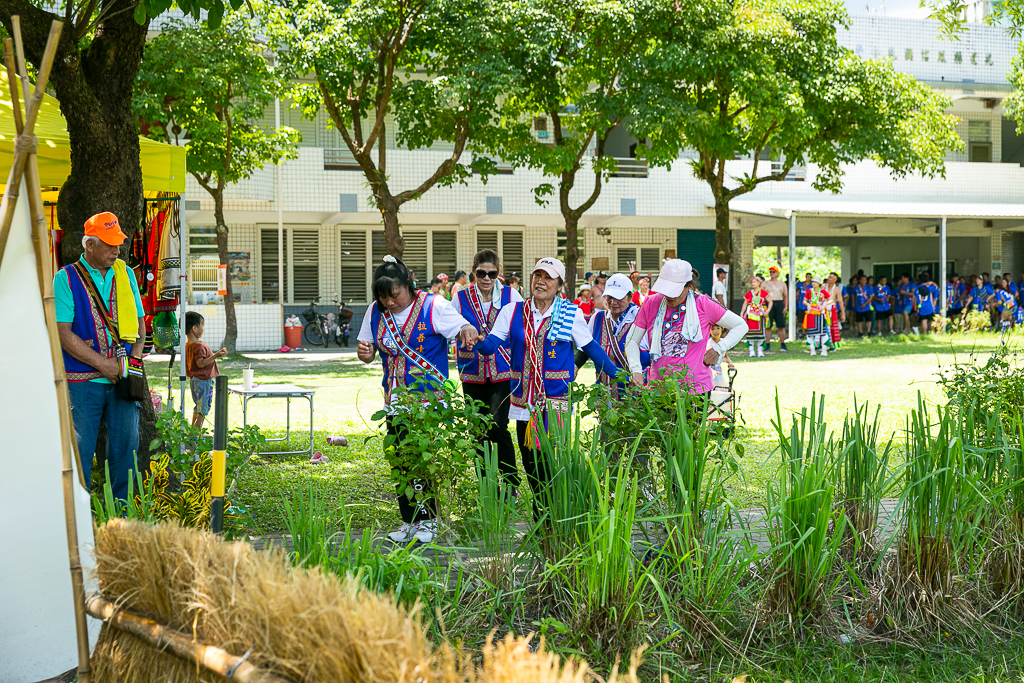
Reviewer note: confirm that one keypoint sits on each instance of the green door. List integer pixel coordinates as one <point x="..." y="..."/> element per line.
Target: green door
<point x="698" y="247"/>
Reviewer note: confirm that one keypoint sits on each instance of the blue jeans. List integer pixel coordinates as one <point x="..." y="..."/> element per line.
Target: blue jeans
<point x="92" y="403"/>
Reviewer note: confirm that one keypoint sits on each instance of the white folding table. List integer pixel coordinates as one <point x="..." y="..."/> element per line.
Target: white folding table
<point x="285" y="391"/>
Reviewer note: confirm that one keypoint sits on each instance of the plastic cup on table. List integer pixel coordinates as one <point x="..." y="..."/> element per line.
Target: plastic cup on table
<point x="247" y="379"/>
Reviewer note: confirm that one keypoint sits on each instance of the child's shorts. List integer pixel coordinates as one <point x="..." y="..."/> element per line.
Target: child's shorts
<point x="202" y="394"/>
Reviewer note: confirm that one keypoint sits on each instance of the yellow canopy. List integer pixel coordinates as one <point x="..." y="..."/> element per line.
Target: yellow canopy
<point x="163" y="166"/>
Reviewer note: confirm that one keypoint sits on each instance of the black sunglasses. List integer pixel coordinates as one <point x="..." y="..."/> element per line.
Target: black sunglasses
<point x="489" y="274"/>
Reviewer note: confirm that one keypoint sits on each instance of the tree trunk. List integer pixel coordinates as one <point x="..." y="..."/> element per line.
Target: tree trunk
<point x="230" y="322"/>
<point x="572" y="254"/>
<point x="393" y="242"/>
<point x="723" y="248"/>
<point x="94" y="88"/>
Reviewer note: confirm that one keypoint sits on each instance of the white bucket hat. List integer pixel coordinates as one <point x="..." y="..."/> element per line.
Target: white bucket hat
<point x="675" y="275"/>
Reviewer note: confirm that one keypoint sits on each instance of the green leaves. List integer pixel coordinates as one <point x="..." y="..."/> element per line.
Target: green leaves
<point x="208" y="90"/>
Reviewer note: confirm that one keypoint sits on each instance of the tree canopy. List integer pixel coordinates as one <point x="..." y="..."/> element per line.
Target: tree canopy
<point x="208" y="89"/>
<point x="428" y="66"/>
<point x="571" y="56"/>
<point x="747" y="82"/>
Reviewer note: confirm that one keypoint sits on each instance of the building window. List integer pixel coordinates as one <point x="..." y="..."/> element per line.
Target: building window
<point x="494" y="205"/>
<point x="349" y="204"/>
<point x="442" y="248"/>
<point x="301" y="265"/>
<point x="642" y="259"/>
<point x="627" y="207"/>
<point x="269" y="286"/>
<point x="979" y="141"/>
<point x="353" y="265"/>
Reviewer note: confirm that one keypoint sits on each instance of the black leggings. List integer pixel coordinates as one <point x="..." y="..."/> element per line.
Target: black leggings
<point x="495" y="397"/>
<point x="410" y="509"/>
<point x="536" y="466"/>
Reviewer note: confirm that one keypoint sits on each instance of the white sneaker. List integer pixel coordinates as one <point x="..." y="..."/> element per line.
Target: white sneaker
<point x="813" y="349"/>
<point x="404" y="533"/>
<point x="824" y="351"/>
<point x="751" y="349"/>
<point x="425" y="531"/>
<point x="760" y="352"/>
<point x="915" y="330"/>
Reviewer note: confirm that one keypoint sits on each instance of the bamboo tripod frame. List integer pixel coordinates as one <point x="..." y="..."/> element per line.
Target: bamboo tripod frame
<point x="24" y="166"/>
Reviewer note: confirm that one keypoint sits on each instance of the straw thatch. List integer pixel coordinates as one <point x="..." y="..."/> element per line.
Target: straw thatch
<point x="301" y="624"/>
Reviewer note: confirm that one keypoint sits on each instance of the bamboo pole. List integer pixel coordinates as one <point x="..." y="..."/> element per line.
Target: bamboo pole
<point x="44" y="271"/>
<point x="25" y="140"/>
<point x="180" y="645"/>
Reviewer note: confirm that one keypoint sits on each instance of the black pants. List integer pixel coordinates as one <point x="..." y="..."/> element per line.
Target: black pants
<point x="495" y="399"/>
<point x="536" y="466"/>
<point x="411" y="509"/>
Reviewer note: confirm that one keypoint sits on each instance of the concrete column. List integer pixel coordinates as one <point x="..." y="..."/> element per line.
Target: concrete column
<point x="792" y="277"/>
<point x="995" y="261"/>
<point x="942" y="268"/>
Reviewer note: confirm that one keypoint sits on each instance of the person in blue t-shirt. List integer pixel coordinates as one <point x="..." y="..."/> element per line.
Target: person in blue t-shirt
<point x="954" y="302"/>
<point x="926" y="297"/>
<point x="905" y="300"/>
<point x="862" y="297"/>
<point x="976" y="297"/>
<point x="1003" y="305"/>
<point x="883" y="304"/>
<point x="801" y="305"/>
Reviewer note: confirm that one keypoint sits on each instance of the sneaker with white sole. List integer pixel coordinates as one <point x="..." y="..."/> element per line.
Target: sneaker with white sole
<point x="824" y="351"/>
<point x="404" y="533"/>
<point x="425" y="531"/>
<point x="751" y="349"/>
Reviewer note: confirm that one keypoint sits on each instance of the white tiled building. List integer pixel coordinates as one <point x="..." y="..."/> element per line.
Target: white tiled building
<point x="333" y="236"/>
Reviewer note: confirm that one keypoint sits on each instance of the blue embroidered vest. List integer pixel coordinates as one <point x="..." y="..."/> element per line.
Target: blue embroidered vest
<point x="419" y="336"/>
<point x="88" y="325"/>
<point x="474" y="368"/>
<point x="557" y="360"/>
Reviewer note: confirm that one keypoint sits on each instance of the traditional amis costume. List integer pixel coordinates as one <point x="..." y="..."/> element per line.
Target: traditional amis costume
<point x="818" y="321"/>
<point x="756" y="303"/>
<point x="413" y="347"/>
<point x="487" y="378"/>
<point x="610" y="333"/>
<point x="543" y="367"/>
<point x="678" y="334"/>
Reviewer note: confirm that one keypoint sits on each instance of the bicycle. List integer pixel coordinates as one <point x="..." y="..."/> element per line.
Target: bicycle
<point x="316" y="331"/>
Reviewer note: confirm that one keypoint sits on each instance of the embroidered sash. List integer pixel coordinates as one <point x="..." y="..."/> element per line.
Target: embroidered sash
<point x="486" y="321"/>
<point x="533" y="363"/>
<point x="396" y="341"/>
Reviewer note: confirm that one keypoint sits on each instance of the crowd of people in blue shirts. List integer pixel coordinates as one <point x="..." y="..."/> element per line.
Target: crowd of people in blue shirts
<point x="911" y="304"/>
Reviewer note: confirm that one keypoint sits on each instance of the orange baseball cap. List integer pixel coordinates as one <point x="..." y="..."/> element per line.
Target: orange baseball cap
<point x="106" y="228"/>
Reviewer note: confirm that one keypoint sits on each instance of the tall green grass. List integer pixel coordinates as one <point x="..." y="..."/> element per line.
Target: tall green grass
<point x="862" y="472"/>
<point x="943" y="506"/>
<point x="804" y="525"/>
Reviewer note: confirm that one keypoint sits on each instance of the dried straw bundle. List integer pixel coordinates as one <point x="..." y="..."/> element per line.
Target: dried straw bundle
<point x="512" y="661"/>
<point x="301" y="624"/>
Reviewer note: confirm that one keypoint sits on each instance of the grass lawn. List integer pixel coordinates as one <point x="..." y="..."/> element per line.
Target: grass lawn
<point x="888" y="372"/>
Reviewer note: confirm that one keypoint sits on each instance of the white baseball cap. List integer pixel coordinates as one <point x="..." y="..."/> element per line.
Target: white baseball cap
<point x="675" y="275"/>
<point x="618" y="286"/>
<point x="551" y="266"/>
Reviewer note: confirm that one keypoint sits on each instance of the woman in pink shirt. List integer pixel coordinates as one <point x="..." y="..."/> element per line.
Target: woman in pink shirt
<point x="676" y="319"/>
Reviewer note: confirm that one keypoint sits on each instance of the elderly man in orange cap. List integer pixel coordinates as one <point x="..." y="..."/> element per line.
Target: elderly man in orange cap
<point x="101" y="326"/>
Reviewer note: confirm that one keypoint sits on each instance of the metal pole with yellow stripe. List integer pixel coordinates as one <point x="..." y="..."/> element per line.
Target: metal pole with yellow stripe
<point x="220" y="438"/>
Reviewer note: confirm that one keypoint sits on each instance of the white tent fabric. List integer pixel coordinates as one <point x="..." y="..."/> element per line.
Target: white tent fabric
<point x="37" y="633"/>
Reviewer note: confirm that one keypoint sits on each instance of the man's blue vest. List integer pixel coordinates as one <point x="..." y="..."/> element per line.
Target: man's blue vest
<point x="474" y="368"/>
<point x="88" y="325"/>
<point x="419" y="335"/>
